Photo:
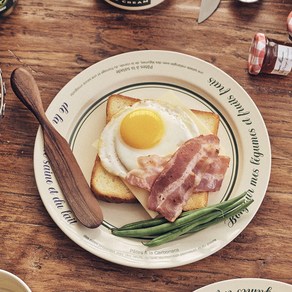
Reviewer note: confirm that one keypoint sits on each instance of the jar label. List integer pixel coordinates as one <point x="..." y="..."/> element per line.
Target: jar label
<point x="131" y="3"/>
<point x="283" y="65"/>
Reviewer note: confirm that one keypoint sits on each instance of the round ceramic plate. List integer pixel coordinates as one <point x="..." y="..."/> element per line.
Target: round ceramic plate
<point x="247" y="284"/>
<point x="78" y="113"/>
<point x="10" y="282"/>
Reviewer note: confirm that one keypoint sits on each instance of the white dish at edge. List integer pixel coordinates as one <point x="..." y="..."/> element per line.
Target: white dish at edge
<point x="247" y="284"/>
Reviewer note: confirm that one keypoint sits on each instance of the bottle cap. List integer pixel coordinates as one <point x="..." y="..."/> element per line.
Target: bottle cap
<point x="289" y="25"/>
<point x="134" y="4"/>
<point x="257" y="53"/>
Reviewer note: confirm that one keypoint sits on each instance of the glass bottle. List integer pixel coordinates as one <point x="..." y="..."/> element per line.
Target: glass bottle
<point x="289" y="25"/>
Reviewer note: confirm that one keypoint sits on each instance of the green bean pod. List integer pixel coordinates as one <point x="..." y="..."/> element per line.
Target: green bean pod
<point x="196" y="226"/>
<point x="220" y="219"/>
<point x="196" y="213"/>
<point x="168" y="226"/>
<point x="160" y="231"/>
<point x="174" y="234"/>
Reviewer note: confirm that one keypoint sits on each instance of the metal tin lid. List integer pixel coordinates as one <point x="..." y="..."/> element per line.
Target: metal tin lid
<point x="289" y="25"/>
<point x="134" y="4"/>
<point x="257" y="54"/>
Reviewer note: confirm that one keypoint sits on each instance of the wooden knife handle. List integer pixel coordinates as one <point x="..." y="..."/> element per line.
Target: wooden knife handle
<point x="64" y="165"/>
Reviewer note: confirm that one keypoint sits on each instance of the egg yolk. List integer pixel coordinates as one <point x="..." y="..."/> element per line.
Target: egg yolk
<point x="142" y="128"/>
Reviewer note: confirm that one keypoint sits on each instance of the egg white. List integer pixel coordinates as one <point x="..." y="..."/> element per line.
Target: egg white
<point x="118" y="158"/>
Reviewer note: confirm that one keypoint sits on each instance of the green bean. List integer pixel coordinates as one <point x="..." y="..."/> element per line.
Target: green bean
<point x="144" y="223"/>
<point x="173" y="234"/>
<point x="168" y="226"/>
<point x="220" y="219"/>
<point x="157" y="229"/>
<point x="160" y="231"/>
<point x="218" y="205"/>
<point x="195" y="227"/>
<point x="195" y="213"/>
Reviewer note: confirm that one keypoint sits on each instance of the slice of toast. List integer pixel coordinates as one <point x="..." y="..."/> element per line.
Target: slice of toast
<point x="111" y="188"/>
<point x="108" y="187"/>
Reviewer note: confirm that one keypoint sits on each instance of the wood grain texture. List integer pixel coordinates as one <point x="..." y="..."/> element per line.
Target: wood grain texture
<point x="56" y="40"/>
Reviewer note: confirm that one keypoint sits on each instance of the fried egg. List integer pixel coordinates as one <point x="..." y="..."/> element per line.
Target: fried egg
<point x="145" y="128"/>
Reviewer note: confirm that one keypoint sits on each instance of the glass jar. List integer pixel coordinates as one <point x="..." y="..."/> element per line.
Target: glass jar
<point x="289" y="25"/>
<point x="269" y="56"/>
<point x="6" y="7"/>
<point x="134" y="4"/>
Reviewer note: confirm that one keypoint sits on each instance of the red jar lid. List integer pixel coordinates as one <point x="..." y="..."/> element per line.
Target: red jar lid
<point x="257" y="53"/>
<point x="289" y="24"/>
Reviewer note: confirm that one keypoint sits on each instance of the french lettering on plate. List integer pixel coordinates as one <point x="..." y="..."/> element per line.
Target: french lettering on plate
<point x="53" y="192"/>
<point x="59" y="116"/>
<point x="69" y="216"/>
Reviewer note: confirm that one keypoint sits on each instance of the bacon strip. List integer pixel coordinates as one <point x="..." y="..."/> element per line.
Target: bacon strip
<point x="195" y="167"/>
<point x="195" y="164"/>
<point x="149" y="168"/>
<point x="212" y="178"/>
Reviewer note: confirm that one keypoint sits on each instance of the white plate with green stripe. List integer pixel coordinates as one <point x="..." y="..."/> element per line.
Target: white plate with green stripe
<point x="247" y="284"/>
<point x="78" y="113"/>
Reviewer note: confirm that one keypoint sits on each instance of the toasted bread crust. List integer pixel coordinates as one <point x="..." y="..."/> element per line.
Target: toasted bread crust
<point x="196" y="201"/>
<point x="117" y="102"/>
<point x="211" y="120"/>
<point x="108" y="187"/>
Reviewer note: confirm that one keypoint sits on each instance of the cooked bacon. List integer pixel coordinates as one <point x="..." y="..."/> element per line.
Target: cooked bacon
<point x="212" y="178"/>
<point x="149" y="168"/>
<point x="195" y="167"/>
<point x="195" y="164"/>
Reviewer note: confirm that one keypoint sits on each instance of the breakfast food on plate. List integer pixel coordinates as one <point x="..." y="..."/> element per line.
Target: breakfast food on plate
<point x="111" y="188"/>
<point x="145" y="150"/>
<point x="195" y="166"/>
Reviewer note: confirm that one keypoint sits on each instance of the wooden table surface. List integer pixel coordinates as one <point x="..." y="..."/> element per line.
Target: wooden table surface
<point x="56" y="40"/>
